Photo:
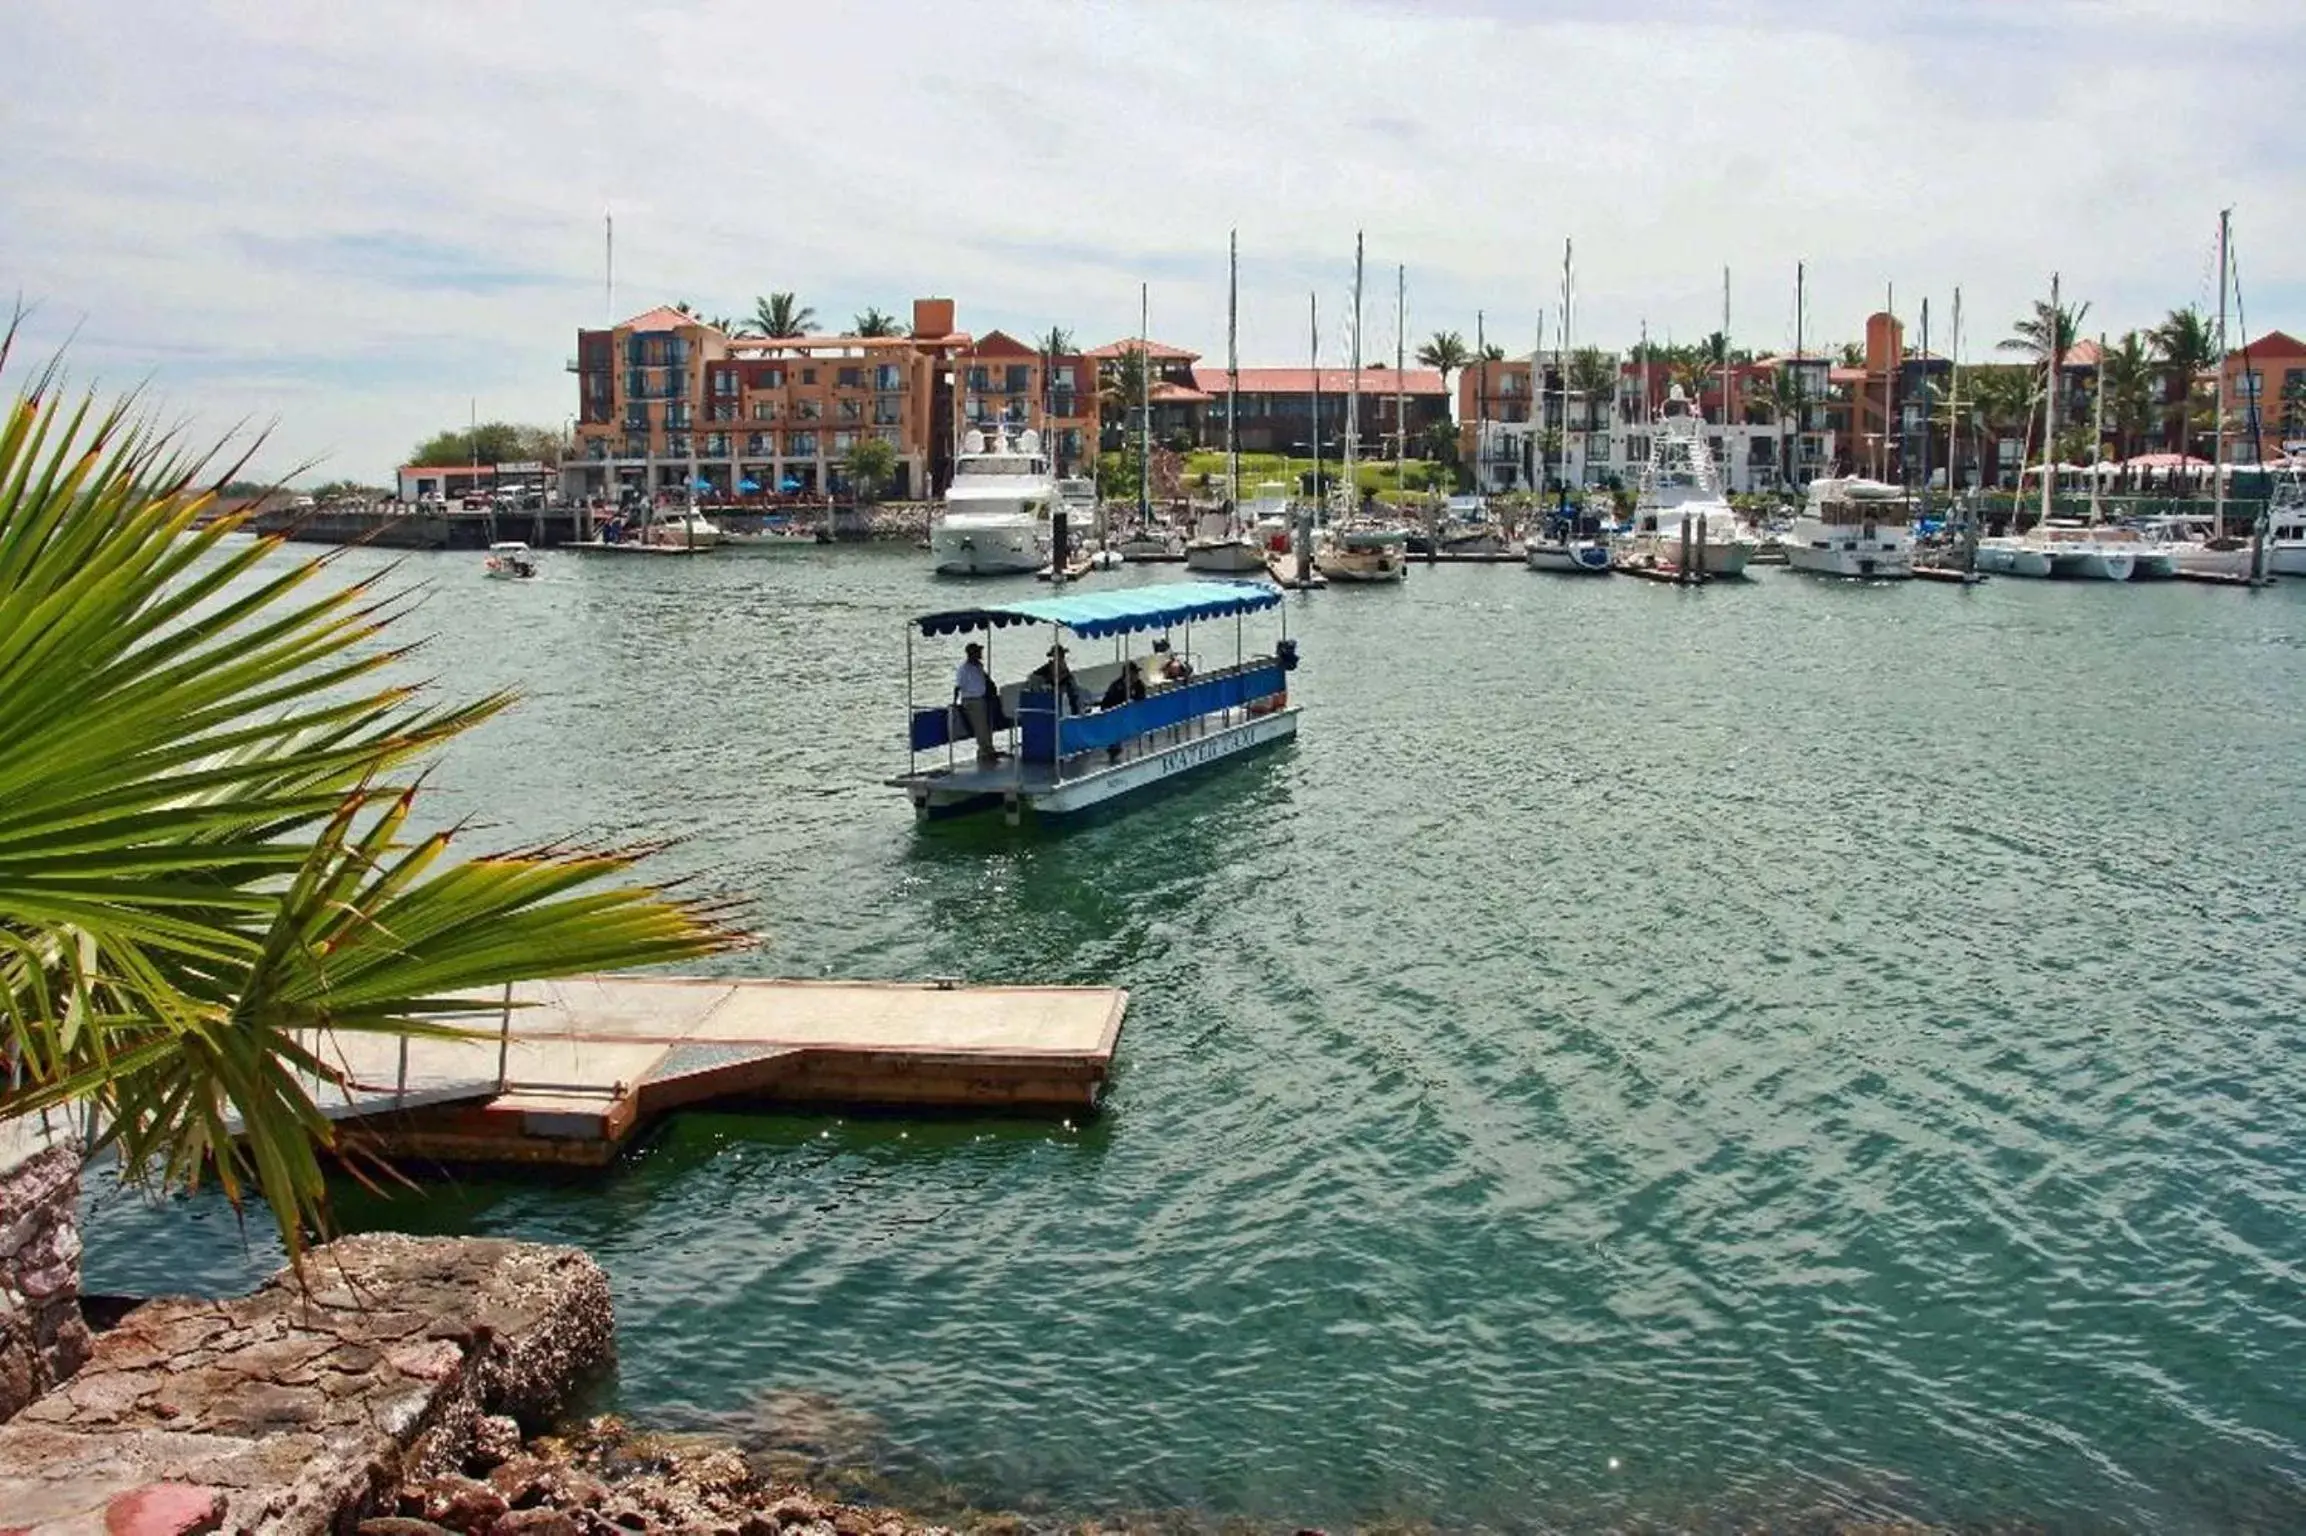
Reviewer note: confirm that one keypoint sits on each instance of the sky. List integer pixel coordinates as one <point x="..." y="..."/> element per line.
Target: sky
<point x="352" y="226"/>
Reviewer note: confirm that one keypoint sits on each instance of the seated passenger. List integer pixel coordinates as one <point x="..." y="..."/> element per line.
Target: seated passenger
<point x="1174" y="668"/>
<point x="1125" y="688"/>
<point x="1054" y="674"/>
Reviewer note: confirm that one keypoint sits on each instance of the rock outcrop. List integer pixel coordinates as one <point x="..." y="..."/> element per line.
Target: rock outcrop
<point x="300" y="1410"/>
<point x="42" y="1337"/>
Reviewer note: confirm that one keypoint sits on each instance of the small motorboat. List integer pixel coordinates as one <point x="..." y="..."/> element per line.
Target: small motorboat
<point x="510" y="561"/>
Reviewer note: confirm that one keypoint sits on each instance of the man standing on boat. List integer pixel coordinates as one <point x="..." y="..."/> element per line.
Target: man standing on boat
<point x="972" y="690"/>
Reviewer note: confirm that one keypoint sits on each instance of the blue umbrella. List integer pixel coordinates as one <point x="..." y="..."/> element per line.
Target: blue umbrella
<point x="703" y="484"/>
<point x="748" y="486"/>
<point x="790" y="484"/>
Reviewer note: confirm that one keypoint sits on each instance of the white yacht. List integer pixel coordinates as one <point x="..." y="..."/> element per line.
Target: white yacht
<point x="1084" y="514"/>
<point x="1680" y="488"/>
<point x="995" y="518"/>
<point x="2010" y="554"/>
<point x="685" y="529"/>
<point x="1852" y="527"/>
<point x="1267" y="516"/>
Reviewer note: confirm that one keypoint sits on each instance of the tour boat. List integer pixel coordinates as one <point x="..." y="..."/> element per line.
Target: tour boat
<point x="510" y="560"/>
<point x="1680" y="513"/>
<point x="1156" y="708"/>
<point x="1362" y="552"/>
<point x="995" y="519"/>
<point x="1852" y="527"/>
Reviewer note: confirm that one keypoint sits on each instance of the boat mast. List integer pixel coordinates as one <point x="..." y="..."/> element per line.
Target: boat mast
<point x="1925" y="393"/>
<point x="1882" y="443"/>
<point x="1400" y="384"/>
<point x="1232" y="380"/>
<point x="1313" y="333"/>
<point x="1480" y="399"/>
<point x="2050" y="403"/>
<point x="2098" y="433"/>
<point x="1969" y="519"/>
<point x="1562" y="356"/>
<point x="1353" y="399"/>
<point x="2218" y="428"/>
<point x="1537" y="454"/>
<point x="1729" y="454"/>
<point x="1801" y="369"/>
<point x="1144" y="413"/>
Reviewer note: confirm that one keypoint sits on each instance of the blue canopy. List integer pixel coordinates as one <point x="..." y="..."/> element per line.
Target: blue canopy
<point x="789" y="484"/>
<point x="748" y="485"/>
<point x="1093" y="615"/>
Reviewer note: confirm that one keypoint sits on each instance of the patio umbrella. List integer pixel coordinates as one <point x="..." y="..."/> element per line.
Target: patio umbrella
<point x="703" y="484"/>
<point x="790" y="484"/>
<point x="748" y="486"/>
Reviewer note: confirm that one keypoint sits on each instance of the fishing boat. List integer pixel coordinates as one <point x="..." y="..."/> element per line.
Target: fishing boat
<point x="1076" y="733"/>
<point x="1680" y="513"/>
<point x="510" y="560"/>
<point x="1852" y="527"/>
<point x="995" y="517"/>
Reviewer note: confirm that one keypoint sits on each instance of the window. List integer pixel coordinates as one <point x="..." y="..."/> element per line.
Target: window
<point x="886" y="413"/>
<point x="1020" y="378"/>
<point x="764" y="410"/>
<point x="724" y="410"/>
<point x="978" y="380"/>
<point x="677" y="414"/>
<point x="636" y="445"/>
<point x="850" y="378"/>
<point x="808" y="410"/>
<point x="2246" y="385"/>
<point x="801" y="445"/>
<point x="808" y="375"/>
<point x="888" y="376"/>
<point x="1061" y="377"/>
<point x="677" y="446"/>
<point x="716" y="445"/>
<point x="768" y="378"/>
<point x="637" y="416"/>
<point x="849" y="410"/>
<point x="636" y="383"/>
<point x="761" y="443"/>
<point x="724" y="382"/>
<point x="844" y="441"/>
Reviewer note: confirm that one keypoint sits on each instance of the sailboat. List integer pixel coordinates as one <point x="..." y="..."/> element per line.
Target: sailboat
<point x="1351" y="548"/>
<point x="1221" y="544"/>
<point x="1561" y="547"/>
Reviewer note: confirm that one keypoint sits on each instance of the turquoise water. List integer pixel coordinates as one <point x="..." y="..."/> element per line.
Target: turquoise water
<point x="1774" y="1053"/>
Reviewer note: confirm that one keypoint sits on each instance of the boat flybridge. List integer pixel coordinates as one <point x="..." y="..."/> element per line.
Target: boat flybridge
<point x="996" y="516"/>
<point x="1083" y="726"/>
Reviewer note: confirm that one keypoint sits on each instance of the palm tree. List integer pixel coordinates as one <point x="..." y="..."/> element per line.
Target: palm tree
<point x="2032" y="333"/>
<point x="1777" y="394"/>
<point x="1851" y="354"/>
<point x="1593" y="379"/>
<point x="1446" y="353"/>
<point x="2001" y="399"/>
<point x="1058" y="343"/>
<point x="1493" y="353"/>
<point x="2186" y="349"/>
<point x="782" y="314"/>
<point x="2126" y="374"/>
<point x="208" y="869"/>
<point x="872" y="322"/>
<point x="723" y="324"/>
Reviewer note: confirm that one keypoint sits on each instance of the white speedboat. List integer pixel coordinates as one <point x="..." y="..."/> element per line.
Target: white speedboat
<point x="510" y="560"/>
<point x="688" y="529"/>
<point x="995" y="517"/>
<point x="1852" y="527"/>
<point x="1362" y="552"/>
<point x="1681" y="513"/>
<point x="1151" y="542"/>
<point x="1267" y="516"/>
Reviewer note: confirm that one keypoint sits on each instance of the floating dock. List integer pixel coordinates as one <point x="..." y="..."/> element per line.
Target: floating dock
<point x="1948" y="573"/>
<point x="572" y="1070"/>
<point x="1281" y="570"/>
<point x="596" y="547"/>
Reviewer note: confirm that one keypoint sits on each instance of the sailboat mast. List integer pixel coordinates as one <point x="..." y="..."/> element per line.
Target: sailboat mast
<point x="2218" y="427"/>
<point x="1925" y="392"/>
<point x="1562" y="355"/>
<point x="1882" y="444"/>
<point x="1728" y="453"/>
<point x="1801" y="369"/>
<point x="2098" y="431"/>
<point x="1400" y="384"/>
<point x="1232" y="377"/>
<point x="1480" y="399"/>
<point x="1313" y="333"/>
<point x="1353" y="399"/>
<point x="2050" y="401"/>
<point x="1537" y="456"/>
<point x="1144" y="411"/>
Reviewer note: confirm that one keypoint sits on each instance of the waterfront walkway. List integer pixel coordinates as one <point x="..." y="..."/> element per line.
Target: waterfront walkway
<point x="575" y="1068"/>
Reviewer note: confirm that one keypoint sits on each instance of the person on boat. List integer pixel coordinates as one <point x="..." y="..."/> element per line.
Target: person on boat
<point x="1126" y="688"/>
<point x="1053" y="674"/>
<point x="1174" y="668"/>
<point x="973" y="692"/>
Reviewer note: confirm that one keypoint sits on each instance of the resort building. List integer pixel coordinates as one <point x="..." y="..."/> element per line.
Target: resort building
<point x="1274" y="409"/>
<point x="2265" y="397"/>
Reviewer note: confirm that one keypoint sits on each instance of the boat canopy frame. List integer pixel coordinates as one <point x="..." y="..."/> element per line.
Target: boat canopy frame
<point x="1097" y="615"/>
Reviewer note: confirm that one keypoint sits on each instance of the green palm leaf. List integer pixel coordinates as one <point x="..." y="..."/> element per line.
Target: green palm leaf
<point x="206" y="868"/>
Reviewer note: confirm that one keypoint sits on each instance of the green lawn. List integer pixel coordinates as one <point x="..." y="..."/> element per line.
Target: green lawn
<point x="1255" y="467"/>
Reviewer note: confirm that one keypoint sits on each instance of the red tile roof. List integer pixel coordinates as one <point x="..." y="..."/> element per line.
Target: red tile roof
<point x="1001" y="344"/>
<point x="2279" y="343"/>
<point x="1160" y="351"/>
<point x="1334" y="381"/>
<point x="1166" y="393"/>
<point x="662" y="318"/>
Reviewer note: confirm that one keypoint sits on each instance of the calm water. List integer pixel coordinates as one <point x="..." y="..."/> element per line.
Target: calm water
<point x="1641" y="1056"/>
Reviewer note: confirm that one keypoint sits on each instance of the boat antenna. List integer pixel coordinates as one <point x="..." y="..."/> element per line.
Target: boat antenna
<point x="1232" y="379"/>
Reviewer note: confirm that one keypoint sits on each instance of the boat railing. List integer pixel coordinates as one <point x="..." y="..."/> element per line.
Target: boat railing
<point x="1047" y="736"/>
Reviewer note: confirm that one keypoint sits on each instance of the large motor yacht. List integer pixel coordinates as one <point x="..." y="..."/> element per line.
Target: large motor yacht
<point x="1852" y="527"/>
<point x="995" y="520"/>
<point x="1680" y="490"/>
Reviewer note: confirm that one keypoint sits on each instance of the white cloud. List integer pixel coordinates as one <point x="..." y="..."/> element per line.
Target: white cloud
<point x="357" y="219"/>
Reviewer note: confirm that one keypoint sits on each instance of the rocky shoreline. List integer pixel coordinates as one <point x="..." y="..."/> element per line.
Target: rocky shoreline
<point x="606" y="1479"/>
